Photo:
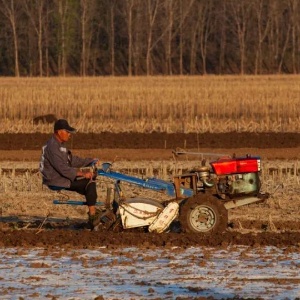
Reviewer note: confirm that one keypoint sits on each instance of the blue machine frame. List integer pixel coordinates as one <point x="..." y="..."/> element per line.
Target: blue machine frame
<point x="148" y="183"/>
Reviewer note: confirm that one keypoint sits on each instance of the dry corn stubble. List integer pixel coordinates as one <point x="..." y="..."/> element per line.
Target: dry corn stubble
<point x="146" y="104"/>
<point x="23" y="193"/>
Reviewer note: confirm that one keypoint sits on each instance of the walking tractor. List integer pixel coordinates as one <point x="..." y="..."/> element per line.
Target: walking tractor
<point x="198" y="200"/>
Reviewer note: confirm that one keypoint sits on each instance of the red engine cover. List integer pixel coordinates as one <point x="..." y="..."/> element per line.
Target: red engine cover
<point x="236" y="165"/>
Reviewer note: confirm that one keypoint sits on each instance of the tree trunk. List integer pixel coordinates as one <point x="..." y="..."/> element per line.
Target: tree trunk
<point x="240" y="12"/>
<point x="152" y="11"/>
<point x="181" y="40"/>
<point x="40" y="45"/>
<point x="294" y="6"/>
<point x="222" y="29"/>
<point x="205" y="31"/>
<point x="63" y="8"/>
<point x="284" y="49"/>
<point x="112" y="38"/>
<point x="10" y="12"/>
<point x="263" y="25"/>
<point x="83" y="36"/>
<point x="169" y="42"/>
<point x="184" y="14"/>
<point x="130" y="4"/>
<point x="193" y="50"/>
<point x="16" y="50"/>
<point x="37" y="23"/>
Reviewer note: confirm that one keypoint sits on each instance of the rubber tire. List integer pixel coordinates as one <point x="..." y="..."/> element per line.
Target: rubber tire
<point x="212" y="205"/>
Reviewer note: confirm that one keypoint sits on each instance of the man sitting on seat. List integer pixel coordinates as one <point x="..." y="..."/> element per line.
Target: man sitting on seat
<point x="59" y="169"/>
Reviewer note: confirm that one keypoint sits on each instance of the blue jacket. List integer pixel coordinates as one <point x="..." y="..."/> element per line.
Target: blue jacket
<point x="58" y="166"/>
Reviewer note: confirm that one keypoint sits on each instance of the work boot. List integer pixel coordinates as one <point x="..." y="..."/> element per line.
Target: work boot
<point x="108" y="218"/>
<point x="95" y="220"/>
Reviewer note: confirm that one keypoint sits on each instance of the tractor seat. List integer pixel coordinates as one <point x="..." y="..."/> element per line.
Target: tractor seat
<point x="56" y="188"/>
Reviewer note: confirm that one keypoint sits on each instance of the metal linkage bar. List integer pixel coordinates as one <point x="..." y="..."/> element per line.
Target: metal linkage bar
<point x="152" y="183"/>
<point x="183" y="152"/>
<point x="75" y="202"/>
<point x="241" y="202"/>
<point x="149" y="183"/>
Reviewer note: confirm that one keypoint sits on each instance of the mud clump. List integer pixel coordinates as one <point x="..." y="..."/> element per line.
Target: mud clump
<point x="85" y="239"/>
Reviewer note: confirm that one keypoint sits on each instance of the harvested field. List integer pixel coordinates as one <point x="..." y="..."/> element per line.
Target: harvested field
<point x="170" y="104"/>
<point x="264" y="238"/>
<point x="23" y="195"/>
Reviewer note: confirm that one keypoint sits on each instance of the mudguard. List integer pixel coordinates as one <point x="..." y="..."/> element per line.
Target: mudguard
<point x="165" y="218"/>
<point x="139" y="212"/>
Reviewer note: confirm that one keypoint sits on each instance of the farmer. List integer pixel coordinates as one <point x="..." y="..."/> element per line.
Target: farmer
<point x="59" y="169"/>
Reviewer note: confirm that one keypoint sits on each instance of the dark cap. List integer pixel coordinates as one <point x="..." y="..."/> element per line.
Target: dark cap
<point x="63" y="124"/>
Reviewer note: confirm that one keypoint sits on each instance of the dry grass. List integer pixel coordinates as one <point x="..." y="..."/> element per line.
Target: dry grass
<point x="145" y="104"/>
<point x="276" y="176"/>
<point x="23" y="194"/>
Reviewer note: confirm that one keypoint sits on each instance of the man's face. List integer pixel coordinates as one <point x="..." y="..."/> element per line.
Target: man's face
<point x="63" y="135"/>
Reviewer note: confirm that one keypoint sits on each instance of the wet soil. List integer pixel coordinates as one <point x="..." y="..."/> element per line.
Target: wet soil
<point x="67" y="238"/>
<point x="231" y="140"/>
<point x="154" y="146"/>
<point x="134" y="146"/>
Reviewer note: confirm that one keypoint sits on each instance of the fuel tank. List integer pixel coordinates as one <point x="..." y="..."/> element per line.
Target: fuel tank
<point x="238" y="165"/>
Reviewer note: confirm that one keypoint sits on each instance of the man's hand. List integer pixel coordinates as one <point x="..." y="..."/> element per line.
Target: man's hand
<point x="96" y="162"/>
<point x="87" y="175"/>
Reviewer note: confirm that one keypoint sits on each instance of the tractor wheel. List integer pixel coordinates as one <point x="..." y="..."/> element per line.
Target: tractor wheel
<point x="203" y="214"/>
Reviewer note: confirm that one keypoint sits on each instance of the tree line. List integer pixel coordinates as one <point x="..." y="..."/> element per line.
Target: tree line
<point x="149" y="37"/>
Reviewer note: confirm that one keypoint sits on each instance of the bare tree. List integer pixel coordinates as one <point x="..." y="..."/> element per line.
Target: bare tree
<point x="160" y="28"/>
<point x="12" y="11"/>
<point x="63" y="10"/>
<point x="199" y="35"/>
<point x="221" y="18"/>
<point x="112" y="37"/>
<point x="138" y="37"/>
<point x="171" y="26"/>
<point x="152" y="8"/>
<point x="181" y="39"/>
<point x="132" y="13"/>
<point x="35" y="12"/>
<point x="170" y="11"/>
<point x="273" y="36"/>
<point x="241" y="13"/>
<point x="184" y="12"/>
<point x="280" y="29"/>
<point x="288" y="25"/>
<point x="129" y="16"/>
<point x="84" y="20"/>
<point x="295" y="16"/>
<point x="263" y="26"/>
<point x="205" y="31"/>
<point x="193" y="48"/>
<point x="88" y="9"/>
<point x="46" y="34"/>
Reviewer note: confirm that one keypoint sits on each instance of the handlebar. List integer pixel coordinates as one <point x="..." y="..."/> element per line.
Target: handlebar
<point x="106" y="166"/>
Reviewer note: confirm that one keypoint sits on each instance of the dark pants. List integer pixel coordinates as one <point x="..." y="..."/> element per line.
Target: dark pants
<point x="87" y="188"/>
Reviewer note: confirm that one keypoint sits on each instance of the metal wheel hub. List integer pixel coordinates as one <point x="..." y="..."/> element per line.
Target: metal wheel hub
<point x="203" y="218"/>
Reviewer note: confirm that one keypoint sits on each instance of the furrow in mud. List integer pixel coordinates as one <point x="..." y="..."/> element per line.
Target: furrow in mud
<point x="89" y="239"/>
